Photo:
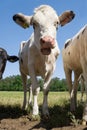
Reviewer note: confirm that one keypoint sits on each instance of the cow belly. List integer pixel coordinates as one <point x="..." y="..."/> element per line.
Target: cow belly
<point x="72" y="65"/>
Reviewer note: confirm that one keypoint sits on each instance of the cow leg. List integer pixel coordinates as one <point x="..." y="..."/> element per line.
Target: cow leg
<point x="30" y="103"/>
<point x="35" y="90"/>
<point x="85" y="108"/>
<point x="45" y="95"/>
<point x="74" y="92"/>
<point x="24" y="79"/>
<point x="30" y="96"/>
<point x="84" y="67"/>
<point x="82" y="88"/>
<point x="68" y="74"/>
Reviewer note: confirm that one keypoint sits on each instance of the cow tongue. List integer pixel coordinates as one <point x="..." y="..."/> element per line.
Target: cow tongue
<point x="46" y="51"/>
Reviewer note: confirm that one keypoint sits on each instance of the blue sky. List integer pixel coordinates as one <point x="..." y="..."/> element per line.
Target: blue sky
<point x="11" y="34"/>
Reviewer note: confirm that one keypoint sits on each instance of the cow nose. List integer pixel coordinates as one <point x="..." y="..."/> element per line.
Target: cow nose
<point x="49" y="41"/>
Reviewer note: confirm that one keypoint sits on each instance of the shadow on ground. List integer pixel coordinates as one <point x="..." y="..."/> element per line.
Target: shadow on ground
<point x="62" y="117"/>
<point x="9" y="111"/>
<point x="59" y="117"/>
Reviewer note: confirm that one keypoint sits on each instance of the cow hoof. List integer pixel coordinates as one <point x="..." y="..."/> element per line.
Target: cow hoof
<point x="46" y="117"/>
<point x="34" y="118"/>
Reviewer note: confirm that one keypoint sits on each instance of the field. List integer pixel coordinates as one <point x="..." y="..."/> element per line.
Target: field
<point x="13" y="118"/>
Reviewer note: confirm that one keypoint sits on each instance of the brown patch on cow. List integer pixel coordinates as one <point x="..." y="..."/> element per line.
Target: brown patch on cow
<point x="83" y="30"/>
<point x="67" y="43"/>
<point x="69" y="53"/>
<point x="78" y="37"/>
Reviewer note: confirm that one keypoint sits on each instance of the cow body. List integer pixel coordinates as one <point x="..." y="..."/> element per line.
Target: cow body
<point x="75" y="59"/>
<point x="36" y="64"/>
<point x="38" y="55"/>
<point x="4" y="57"/>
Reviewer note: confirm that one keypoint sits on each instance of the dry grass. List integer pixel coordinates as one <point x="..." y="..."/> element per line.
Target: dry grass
<point x="54" y="98"/>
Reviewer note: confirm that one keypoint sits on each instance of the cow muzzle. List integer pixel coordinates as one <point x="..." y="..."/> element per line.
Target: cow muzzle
<point x="47" y="43"/>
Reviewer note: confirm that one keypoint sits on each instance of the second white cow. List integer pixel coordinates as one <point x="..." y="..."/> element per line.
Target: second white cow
<point x="75" y="59"/>
<point x="38" y="55"/>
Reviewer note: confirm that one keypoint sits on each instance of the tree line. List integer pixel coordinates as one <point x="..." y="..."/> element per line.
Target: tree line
<point x="14" y="83"/>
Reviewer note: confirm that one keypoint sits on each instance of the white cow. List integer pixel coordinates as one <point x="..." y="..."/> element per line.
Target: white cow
<point x="75" y="59"/>
<point x="4" y="57"/>
<point x="38" y="55"/>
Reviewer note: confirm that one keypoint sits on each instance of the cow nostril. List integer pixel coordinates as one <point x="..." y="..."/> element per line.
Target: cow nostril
<point x="42" y="41"/>
<point x="45" y="39"/>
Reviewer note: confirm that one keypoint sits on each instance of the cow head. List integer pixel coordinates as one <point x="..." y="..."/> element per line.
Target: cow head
<point x="3" y="59"/>
<point x="45" y="22"/>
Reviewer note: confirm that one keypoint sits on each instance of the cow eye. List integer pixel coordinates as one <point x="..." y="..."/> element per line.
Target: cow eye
<point x="34" y="25"/>
<point x="56" y="24"/>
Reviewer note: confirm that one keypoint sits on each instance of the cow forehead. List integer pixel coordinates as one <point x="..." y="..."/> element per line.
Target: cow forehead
<point x="45" y="14"/>
<point x="45" y="9"/>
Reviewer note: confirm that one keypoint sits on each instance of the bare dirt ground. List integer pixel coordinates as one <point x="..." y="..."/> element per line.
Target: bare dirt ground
<point x="13" y="118"/>
<point x="23" y="123"/>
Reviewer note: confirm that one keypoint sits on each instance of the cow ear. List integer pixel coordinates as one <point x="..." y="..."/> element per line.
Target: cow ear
<point x="22" y="20"/>
<point x="66" y="17"/>
<point x="12" y="58"/>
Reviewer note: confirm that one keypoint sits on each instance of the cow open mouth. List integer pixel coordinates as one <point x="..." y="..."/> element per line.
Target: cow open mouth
<point x="46" y="51"/>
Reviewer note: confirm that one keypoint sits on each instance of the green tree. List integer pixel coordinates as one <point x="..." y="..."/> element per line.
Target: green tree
<point x="14" y="83"/>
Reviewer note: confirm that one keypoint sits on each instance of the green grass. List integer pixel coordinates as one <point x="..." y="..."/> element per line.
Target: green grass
<point x="58" y="102"/>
